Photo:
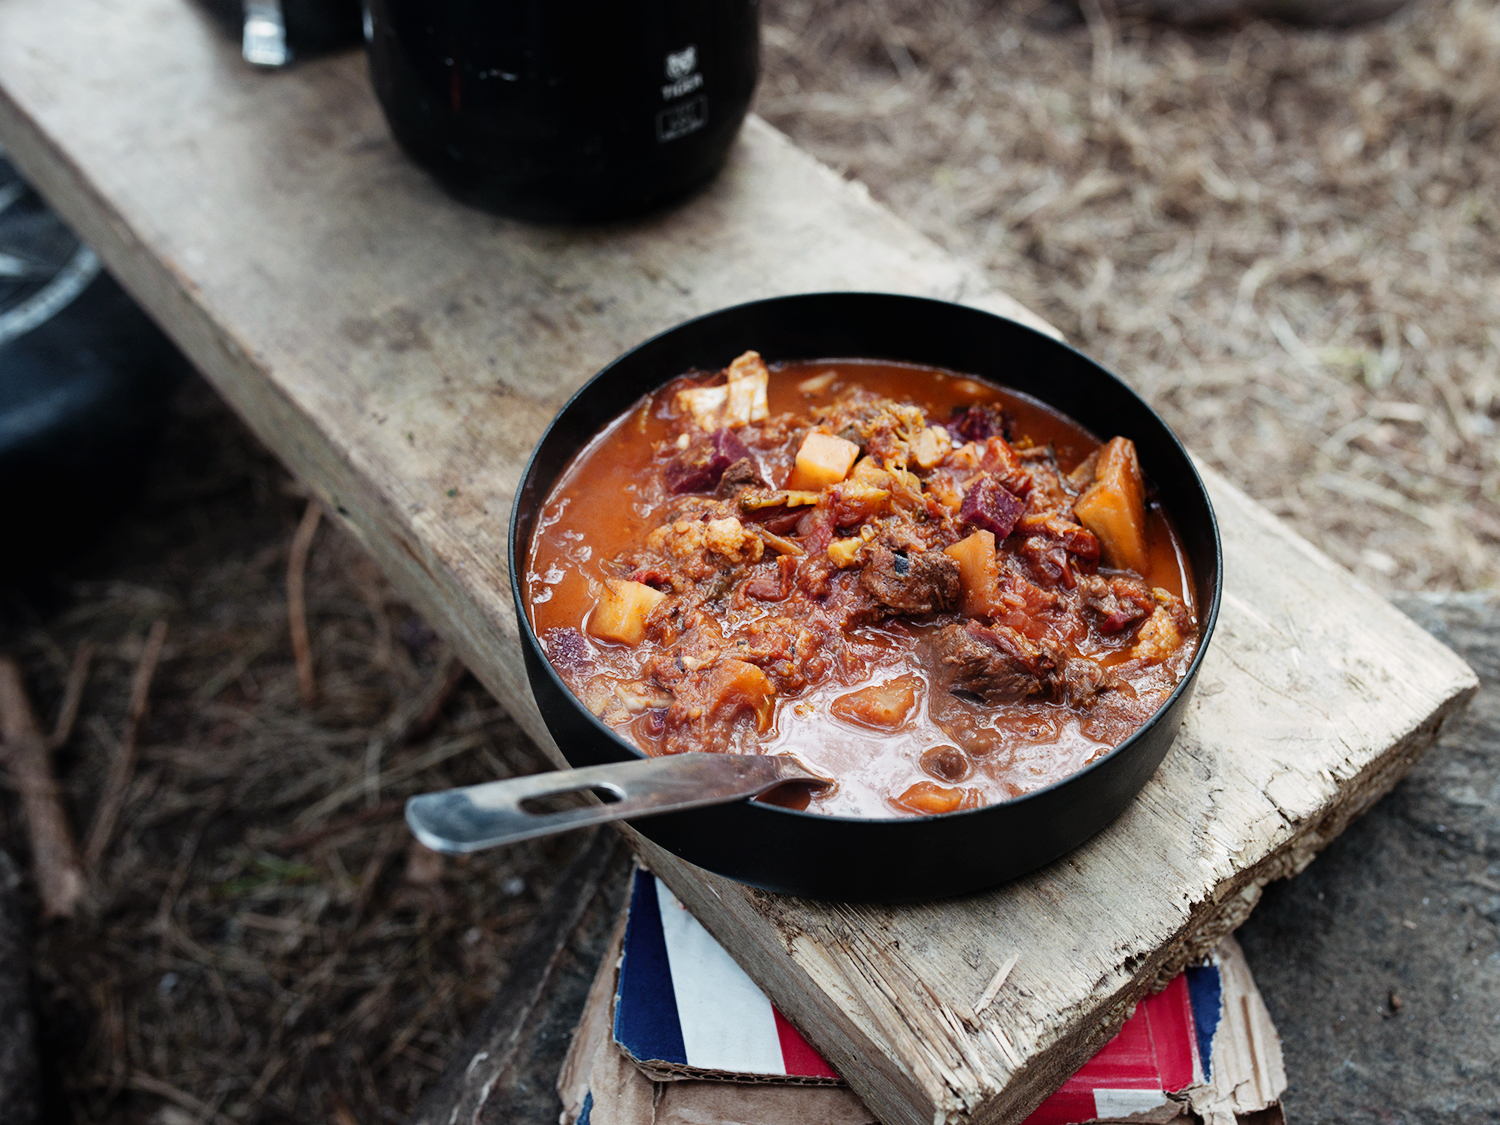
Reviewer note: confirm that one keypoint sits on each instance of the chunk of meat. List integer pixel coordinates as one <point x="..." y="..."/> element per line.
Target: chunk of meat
<point x="702" y="465"/>
<point x="1055" y="548"/>
<point x="786" y="650"/>
<point x="1164" y="632"/>
<point x="879" y="706"/>
<point x="998" y="664"/>
<point x="707" y="703"/>
<point x="1116" y="603"/>
<point x="1082" y="681"/>
<point x="978" y="422"/>
<point x="853" y="503"/>
<point x="911" y="581"/>
<point x="737" y="477"/>
<point x="773" y="584"/>
<point x="1000" y="459"/>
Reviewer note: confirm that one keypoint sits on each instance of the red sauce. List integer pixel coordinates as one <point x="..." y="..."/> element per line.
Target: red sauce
<point x="1060" y="658"/>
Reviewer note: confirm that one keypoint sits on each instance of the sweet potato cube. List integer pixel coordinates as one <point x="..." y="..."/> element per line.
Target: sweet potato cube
<point x="1114" y="507"/>
<point x="823" y="460"/>
<point x="620" y="614"/>
<point x="880" y="706"/>
<point x="930" y="797"/>
<point x="978" y="573"/>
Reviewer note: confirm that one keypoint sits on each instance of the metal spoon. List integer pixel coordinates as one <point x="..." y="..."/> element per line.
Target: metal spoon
<point x="486" y="816"/>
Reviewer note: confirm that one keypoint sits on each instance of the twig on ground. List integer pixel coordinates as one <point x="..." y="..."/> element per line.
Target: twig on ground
<point x="296" y="600"/>
<point x="54" y="853"/>
<point x="67" y="714"/>
<point x="123" y="766"/>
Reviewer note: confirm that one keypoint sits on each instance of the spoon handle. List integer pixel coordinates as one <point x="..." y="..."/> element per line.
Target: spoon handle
<point x="486" y="816"/>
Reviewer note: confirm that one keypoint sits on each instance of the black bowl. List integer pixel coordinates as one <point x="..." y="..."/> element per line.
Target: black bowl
<point x="867" y="859"/>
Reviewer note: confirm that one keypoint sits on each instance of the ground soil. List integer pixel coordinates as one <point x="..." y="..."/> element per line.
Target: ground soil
<point x="1288" y="240"/>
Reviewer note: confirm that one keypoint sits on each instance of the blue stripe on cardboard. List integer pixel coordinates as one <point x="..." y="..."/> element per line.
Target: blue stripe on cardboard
<point x="1206" y="992"/>
<point x="646" y="1023"/>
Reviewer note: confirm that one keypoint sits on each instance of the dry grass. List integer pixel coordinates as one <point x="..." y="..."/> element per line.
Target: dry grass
<point x="265" y="943"/>
<point x="1288" y="240"/>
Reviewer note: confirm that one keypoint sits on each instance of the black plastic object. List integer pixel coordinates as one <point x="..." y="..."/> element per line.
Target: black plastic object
<point x="84" y="382"/>
<point x="859" y="859"/>
<point x="565" y="110"/>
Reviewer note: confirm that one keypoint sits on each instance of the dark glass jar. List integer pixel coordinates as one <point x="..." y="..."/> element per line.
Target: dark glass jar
<point x="565" y="109"/>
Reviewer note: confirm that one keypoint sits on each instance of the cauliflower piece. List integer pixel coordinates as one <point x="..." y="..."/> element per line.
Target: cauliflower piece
<point x="728" y="538"/>
<point x="738" y="402"/>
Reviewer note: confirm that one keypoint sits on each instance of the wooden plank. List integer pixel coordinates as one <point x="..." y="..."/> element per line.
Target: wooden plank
<point x="401" y="354"/>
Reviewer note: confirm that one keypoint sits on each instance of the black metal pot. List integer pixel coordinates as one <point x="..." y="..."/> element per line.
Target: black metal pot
<point x="565" y="109"/>
<point x="863" y="859"/>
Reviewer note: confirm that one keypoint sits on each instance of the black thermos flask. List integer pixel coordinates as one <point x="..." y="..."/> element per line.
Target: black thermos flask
<point x="565" y="109"/>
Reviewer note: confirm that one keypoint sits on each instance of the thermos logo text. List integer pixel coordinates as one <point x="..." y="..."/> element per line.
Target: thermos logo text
<point x="682" y="63"/>
<point x="680" y="67"/>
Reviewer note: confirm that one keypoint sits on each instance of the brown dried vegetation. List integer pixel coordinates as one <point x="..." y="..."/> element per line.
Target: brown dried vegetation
<point x="1288" y="240"/>
<point x="262" y="940"/>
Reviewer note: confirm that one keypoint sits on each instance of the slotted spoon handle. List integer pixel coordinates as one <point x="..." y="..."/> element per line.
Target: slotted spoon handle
<point x="485" y="816"/>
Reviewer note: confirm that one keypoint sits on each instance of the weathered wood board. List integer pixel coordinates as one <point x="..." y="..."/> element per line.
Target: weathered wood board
<point x="401" y="354"/>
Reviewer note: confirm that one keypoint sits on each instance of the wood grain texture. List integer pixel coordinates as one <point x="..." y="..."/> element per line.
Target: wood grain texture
<point x="402" y="354"/>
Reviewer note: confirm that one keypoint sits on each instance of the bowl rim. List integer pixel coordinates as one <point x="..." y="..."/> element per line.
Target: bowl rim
<point x="1206" y="620"/>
